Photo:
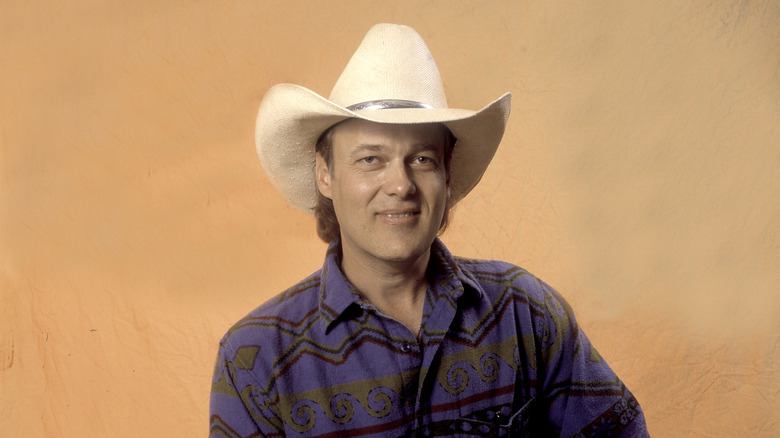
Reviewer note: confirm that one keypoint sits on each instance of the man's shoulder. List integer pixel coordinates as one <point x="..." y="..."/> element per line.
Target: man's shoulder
<point x="496" y="278"/>
<point x="291" y="308"/>
<point x="491" y="267"/>
<point x="499" y="273"/>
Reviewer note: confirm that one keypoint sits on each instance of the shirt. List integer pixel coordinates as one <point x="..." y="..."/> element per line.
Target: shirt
<point x="499" y="353"/>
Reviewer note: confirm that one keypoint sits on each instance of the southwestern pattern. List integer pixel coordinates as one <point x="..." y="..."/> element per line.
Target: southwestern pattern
<point x="499" y="354"/>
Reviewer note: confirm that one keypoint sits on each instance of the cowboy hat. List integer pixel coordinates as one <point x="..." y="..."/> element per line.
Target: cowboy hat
<point x="391" y="78"/>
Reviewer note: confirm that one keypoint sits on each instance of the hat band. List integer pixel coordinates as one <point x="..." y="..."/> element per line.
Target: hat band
<point x="387" y="104"/>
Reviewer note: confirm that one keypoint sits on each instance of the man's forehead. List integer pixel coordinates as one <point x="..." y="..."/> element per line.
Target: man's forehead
<point x="364" y="132"/>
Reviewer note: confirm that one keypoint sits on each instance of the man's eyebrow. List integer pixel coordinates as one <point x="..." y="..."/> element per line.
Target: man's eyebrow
<point x="363" y="148"/>
<point x="378" y="147"/>
<point x="428" y="147"/>
<point x="368" y="147"/>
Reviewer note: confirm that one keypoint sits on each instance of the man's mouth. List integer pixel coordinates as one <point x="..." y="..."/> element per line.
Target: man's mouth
<point x="399" y="215"/>
<point x="407" y="214"/>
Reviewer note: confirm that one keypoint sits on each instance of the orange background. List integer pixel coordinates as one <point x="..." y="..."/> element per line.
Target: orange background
<point x="639" y="176"/>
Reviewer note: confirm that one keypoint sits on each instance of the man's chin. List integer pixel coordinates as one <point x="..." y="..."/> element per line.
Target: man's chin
<point x="405" y="252"/>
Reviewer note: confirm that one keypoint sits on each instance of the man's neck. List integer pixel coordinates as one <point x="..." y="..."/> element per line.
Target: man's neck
<point x="396" y="289"/>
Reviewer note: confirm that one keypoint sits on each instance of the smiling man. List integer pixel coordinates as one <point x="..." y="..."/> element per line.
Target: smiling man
<point x="388" y="187"/>
<point x="395" y="336"/>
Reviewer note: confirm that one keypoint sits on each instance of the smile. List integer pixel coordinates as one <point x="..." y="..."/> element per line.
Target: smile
<point x="399" y="217"/>
<point x="394" y="215"/>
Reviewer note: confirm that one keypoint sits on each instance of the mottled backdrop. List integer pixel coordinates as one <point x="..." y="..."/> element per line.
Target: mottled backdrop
<point x="640" y="176"/>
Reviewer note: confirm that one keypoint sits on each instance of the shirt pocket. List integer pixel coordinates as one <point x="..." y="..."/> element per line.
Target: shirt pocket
<point x="499" y="422"/>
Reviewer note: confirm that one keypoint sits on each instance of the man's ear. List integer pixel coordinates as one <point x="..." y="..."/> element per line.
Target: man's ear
<point x="322" y="175"/>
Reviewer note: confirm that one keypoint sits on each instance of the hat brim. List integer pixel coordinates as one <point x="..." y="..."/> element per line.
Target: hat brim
<point x="291" y="119"/>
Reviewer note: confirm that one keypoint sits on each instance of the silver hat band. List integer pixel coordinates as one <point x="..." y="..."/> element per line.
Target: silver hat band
<point x="387" y="104"/>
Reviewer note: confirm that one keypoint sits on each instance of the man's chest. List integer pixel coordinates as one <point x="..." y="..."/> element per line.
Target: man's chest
<point x="380" y="381"/>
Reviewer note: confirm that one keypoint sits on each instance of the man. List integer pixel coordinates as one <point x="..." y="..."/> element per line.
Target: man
<point x="394" y="336"/>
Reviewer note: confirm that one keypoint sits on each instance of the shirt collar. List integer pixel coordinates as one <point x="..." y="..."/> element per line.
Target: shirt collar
<point x="337" y="295"/>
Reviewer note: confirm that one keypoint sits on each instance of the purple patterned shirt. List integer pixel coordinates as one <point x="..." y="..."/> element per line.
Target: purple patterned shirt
<point x="499" y="354"/>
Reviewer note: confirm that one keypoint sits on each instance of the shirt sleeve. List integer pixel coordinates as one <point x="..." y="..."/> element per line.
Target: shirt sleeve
<point x="237" y="408"/>
<point x="582" y="395"/>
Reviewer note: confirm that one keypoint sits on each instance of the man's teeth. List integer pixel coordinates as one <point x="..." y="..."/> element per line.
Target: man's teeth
<point x="400" y="214"/>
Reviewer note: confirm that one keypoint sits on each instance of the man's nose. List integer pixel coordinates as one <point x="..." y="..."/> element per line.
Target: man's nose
<point x="400" y="181"/>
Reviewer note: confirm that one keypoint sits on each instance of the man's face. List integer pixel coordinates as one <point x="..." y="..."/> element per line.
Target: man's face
<point x="388" y="184"/>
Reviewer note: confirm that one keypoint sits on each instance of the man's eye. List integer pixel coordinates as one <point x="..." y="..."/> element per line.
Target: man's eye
<point x="368" y="160"/>
<point x="424" y="160"/>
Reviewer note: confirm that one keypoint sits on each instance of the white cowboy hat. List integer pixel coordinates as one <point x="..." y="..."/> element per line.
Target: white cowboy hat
<point x="391" y="78"/>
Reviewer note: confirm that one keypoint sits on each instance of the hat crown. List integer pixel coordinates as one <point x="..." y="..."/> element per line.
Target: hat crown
<point x="392" y="62"/>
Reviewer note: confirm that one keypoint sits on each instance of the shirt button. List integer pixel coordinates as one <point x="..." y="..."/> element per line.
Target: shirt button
<point x="406" y="347"/>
